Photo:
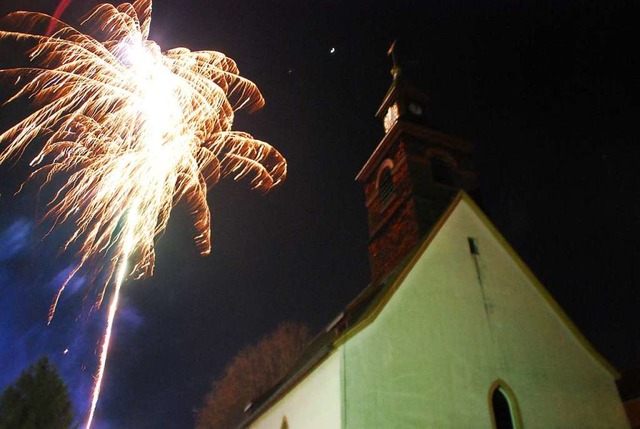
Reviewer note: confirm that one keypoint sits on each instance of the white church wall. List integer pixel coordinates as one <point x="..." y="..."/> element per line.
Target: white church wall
<point x="444" y="337"/>
<point x="314" y="403"/>
<point x="558" y="379"/>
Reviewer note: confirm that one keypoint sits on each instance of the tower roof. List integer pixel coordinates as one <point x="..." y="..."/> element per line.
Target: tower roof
<point x="403" y="127"/>
<point x="401" y="88"/>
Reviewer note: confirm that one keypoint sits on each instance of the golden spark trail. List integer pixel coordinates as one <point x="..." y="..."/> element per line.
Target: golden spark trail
<point x="128" y="243"/>
<point x="124" y="132"/>
<point x="104" y="350"/>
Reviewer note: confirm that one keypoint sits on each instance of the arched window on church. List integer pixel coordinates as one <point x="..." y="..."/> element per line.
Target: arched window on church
<point x="285" y="423"/>
<point x="442" y="170"/>
<point x="386" y="187"/>
<point x="505" y="414"/>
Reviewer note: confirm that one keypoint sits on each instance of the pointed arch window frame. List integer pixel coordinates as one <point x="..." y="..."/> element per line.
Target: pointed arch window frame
<point x="512" y="401"/>
<point x="285" y="423"/>
<point x="385" y="186"/>
<point x="443" y="167"/>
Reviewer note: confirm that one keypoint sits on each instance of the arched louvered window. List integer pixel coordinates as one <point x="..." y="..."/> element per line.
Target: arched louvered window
<point x="386" y="188"/>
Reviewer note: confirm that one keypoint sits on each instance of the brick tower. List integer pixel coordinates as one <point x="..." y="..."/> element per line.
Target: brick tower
<point x="411" y="177"/>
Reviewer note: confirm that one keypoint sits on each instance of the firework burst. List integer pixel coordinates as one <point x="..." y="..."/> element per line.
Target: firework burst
<point x="133" y="130"/>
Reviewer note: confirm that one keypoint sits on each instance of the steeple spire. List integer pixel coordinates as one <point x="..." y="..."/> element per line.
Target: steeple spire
<point x="411" y="177"/>
<point x="403" y="101"/>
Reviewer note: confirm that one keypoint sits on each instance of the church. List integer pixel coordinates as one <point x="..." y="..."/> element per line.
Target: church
<point x="454" y="330"/>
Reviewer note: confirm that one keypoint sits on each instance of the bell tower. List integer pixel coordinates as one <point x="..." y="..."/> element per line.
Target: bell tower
<point x="411" y="177"/>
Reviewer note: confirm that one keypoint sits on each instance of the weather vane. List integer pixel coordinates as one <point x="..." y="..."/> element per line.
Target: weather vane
<point x="395" y="70"/>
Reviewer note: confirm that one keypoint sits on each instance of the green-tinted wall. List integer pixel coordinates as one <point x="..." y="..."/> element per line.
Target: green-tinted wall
<point x="431" y="355"/>
<point x="313" y="403"/>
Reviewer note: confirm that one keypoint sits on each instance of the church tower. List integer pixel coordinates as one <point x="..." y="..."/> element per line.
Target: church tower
<point x="411" y="177"/>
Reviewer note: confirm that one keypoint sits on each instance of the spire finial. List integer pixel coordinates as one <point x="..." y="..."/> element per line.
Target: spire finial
<point x="395" y="70"/>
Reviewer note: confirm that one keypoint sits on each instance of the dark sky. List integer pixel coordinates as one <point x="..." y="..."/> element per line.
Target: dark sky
<point x="546" y="90"/>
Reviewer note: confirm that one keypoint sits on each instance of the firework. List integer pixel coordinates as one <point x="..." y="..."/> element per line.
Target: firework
<point x="133" y="131"/>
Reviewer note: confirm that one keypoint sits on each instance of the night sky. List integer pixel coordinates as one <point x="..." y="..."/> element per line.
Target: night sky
<point x="548" y="94"/>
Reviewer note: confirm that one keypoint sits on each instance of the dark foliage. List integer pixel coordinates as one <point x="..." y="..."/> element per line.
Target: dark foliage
<point x="252" y="371"/>
<point x="38" y="399"/>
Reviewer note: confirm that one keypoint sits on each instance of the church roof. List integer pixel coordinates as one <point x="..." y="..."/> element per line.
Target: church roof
<point x="404" y="127"/>
<point x="364" y="309"/>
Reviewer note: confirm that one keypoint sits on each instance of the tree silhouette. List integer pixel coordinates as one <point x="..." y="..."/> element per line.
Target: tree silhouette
<point x="38" y="399"/>
<point x="252" y="371"/>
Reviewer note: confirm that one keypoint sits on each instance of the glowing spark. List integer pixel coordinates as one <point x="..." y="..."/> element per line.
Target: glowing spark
<point x="133" y="131"/>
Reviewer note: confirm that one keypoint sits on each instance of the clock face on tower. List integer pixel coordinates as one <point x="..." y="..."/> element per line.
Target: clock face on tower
<point x="415" y="108"/>
<point x="390" y="117"/>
